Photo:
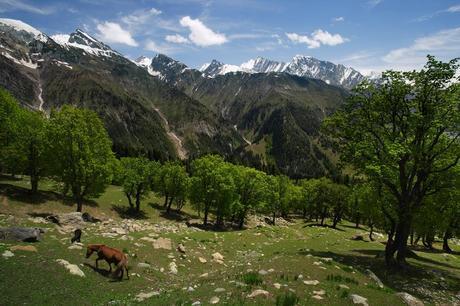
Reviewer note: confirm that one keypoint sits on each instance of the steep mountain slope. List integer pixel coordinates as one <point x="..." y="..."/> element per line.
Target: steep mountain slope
<point x="279" y="114"/>
<point x="143" y="114"/>
<point x="304" y="66"/>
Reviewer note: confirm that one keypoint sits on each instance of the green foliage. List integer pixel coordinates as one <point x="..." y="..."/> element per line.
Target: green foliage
<point x="136" y="175"/>
<point x="287" y="299"/>
<point x="403" y="135"/>
<point x="173" y="183"/>
<point x="81" y="151"/>
<point x="252" y="279"/>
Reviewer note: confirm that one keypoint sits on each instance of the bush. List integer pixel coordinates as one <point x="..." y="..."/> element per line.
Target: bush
<point x="252" y="279"/>
<point x="287" y="299"/>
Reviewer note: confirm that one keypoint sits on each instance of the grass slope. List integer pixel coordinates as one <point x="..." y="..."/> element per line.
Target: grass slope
<point x="285" y="252"/>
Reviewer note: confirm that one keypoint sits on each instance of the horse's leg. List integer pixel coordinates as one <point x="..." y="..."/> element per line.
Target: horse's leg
<point x="97" y="260"/>
<point x="110" y="265"/>
<point x="127" y="274"/>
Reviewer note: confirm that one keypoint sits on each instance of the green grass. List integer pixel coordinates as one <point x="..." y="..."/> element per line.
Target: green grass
<point x="31" y="278"/>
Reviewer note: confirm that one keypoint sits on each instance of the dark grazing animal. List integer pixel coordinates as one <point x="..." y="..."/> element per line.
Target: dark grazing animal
<point x="76" y="236"/>
<point x="111" y="256"/>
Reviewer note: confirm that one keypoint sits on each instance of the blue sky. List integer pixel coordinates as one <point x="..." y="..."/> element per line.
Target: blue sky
<point x="369" y="35"/>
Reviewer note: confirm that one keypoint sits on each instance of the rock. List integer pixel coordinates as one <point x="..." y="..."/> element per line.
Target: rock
<point x="8" y="254"/>
<point x="173" y="268"/>
<point x="258" y="292"/>
<point x="27" y="248"/>
<point x="409" y="299"/>
<point x="300" y="276"/>
<point x="26" y="234"/>
<point x="204" y="275"/>
<point x="38" y="220"/>
<point x="317" y="297"/>
<point x="181" y="248"/>
<point x="196" y="303"/>
<point x="327" y="259"/>
<point x="263" y="272"/>
<point x="319" y="292"/>
<point x="358" y="237"/>
<point x="214" y="300"/>
<point x="317" y="263"/>
<point x="119" y="231"/>
<point x="73" y="219"/>
<point x="162" y="243"/>
<point x="143" y="265"/>
<point x="311" y="282"/>
<point x="75" y="247"/>
<point x="148" y="239"/>
<point x="202" y="260"/>
<point x="143" y="296"/>
<point x="217" y="256"/>
<point x="73" y="269"/>
<point x="277" y="285"/>
<point x="358" y="300"/>
<point x="219" y="290"/>
<point x="341" y="286"/>
<point x="190" y="289"/>
<point x="375" y="278"/>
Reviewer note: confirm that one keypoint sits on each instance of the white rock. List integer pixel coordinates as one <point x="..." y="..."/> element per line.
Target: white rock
<point x="143" y="265"/>
<point x="263" y="272"/>
<point x="173" y="268"/>
<point x="311" y="282"/>
<point x="75" y="247"/>
<point x="317" y="297"/>
<point x="375" y="278"/>
<point x="341" y="286"/>
<point x="214" y="300"/>
<point x="202" y="260"/>
<point x="358" y="300"/>
<point x="409" y="299"/>
<point x="196" y="303"/>
<point x="219" y="290"/>
<point x="277" y="285"/>
<point x="8" y="254"/>
<point x="319" y="292"/>
<point x="162" y="243"/>
<point x="258" y="292"/>
<point x="143" y="296"/>
<point x="73" y="269"/>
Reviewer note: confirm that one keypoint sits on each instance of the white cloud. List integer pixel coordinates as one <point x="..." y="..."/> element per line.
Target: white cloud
<point x="140" y="17"/>
<point x="339" y="19"/>
<point x="17" y="5"/>
<point x="111" y="32"/>
<point x="177" y="39"/>
<point x="443" y="44"/>
<point x="200" y="34"/>
<point x="150" y="45"/>
<point x="454" y="9"/>
<point x="317" y="38"/>
<point x="373" y="3"/>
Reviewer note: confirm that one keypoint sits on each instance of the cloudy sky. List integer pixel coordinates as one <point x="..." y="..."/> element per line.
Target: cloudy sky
<point x="369" y="35"/>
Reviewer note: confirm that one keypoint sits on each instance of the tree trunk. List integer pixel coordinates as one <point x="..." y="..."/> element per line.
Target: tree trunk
<point x="445" y="243"/>
<point x="205" y="218"/>
<point x="274" y="218"/>
<point x="399" y="245"/>
<point x="130" y="200"/>
<point x="168" y="209"/>
<point x="371" y="232"/>
<point x="34" y="184"/>
<point x="335" y="221"/>
<point x="79" y="204"/>
<point x="138" y="201"/>
<point x="357" y="222"/>
<point x="166" y="201"/>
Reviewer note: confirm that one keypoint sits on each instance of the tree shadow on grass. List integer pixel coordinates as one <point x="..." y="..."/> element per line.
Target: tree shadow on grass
<point x="127" y="212"/>
<point x="173" y="215"/>
<point x="418" y="274"/>
<point x="314" y="224"/>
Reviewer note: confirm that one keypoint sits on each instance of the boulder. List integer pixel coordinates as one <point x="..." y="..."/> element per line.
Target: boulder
<point x="7" y="254"/>
<point x="214" y="300"/>
<point x="73" y="219"/>
<point x="181" y="248"/>
<point x="409" y="299"/>
<point x="26" y="234"/>
<point x="375" y="278"/>
<point x="358" y="237"/>
<point x="358" y="300"/>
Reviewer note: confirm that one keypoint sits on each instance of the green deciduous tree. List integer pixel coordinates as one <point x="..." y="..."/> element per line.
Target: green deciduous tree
<point x="10" y="115"/>
<point x="402" y="134"/>
<point x="172" y="183"/>
<point x="82" y="158"/>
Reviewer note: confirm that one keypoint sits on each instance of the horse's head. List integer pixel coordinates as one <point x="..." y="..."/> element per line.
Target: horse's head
<point x="89" y="251"/>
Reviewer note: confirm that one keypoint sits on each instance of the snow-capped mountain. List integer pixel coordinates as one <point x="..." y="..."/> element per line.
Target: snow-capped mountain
<point x="82" y="40"/>
<point x="304" y="66"/>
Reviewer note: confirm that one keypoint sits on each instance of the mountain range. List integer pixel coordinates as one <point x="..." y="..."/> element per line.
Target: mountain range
<point x="263" y="113"/>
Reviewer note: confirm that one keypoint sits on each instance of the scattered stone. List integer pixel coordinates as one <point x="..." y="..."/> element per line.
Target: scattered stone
<point x="341" y="286"/>
<point x="196" y="303"/>
<point x="263" y="272"/>
<point x="143" y="265"/>
<point x="162" y="243"/>
<point x="327" y="259"/>
<point x="8" y="254"/>
<point x="300" y="276"/>
<point x="173" y="267"/>
<point x="148" y="239"/>
<point x="358" y="237"/>
<point x="214" y="300"/>
<point x="410" y="299"/>
<point x="143" y="296"/>
<point x="375" y="278"/>
<point x="71" y="220"/>
<point x="317" y="263"/>
<point x="204" y="275"/>
<point x="258" y="292"/>
<point x="217" y="257"/>
<point x="277" y="285"/>
<point x="358" y="300"/>
<point x="202" y="260"/>
<point x="118" y="231"/>
<point x="311" y="282"/>
<point x="27" y="248"/>
<point x="190" y="289"/>
<point x="317" y="297"/>
<point x="75" y="247"/>
<point x="181" y="248"/>
<point x="38" y="220"/>
<point x="73" y="269"/>
<point x="25" y="234"/>
<point x="219" y="290"/>
<point x="319" y="292"/>
<point x="271" y="270"/>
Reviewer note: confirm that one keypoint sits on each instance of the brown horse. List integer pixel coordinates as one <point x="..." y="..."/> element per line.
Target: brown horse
<point x="111" y="256"/>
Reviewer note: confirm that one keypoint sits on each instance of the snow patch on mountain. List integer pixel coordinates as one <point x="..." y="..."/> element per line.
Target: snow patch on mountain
<point x="85" y="42"/>
<point x="25" y="63"/>
<point x="21" y="26"/>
